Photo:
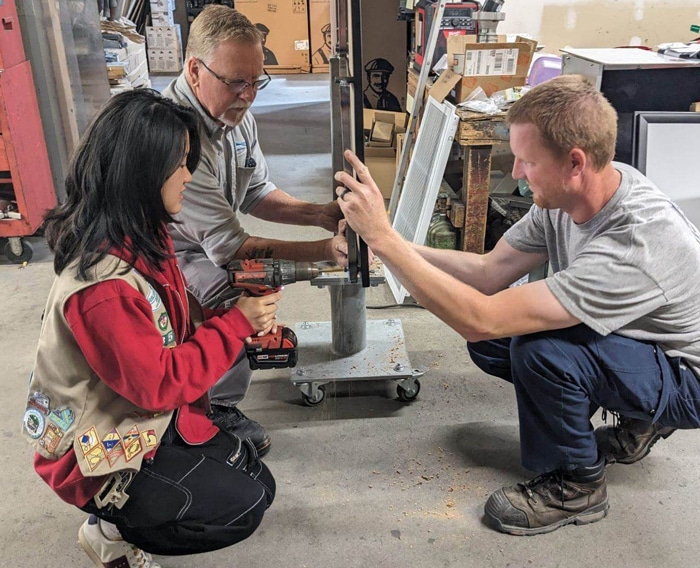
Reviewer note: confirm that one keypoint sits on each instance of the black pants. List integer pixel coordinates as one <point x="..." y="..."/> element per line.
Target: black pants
<point x="193" y="499"/>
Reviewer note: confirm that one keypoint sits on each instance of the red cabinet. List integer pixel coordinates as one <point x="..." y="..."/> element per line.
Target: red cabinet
<point x="25" y="173"/>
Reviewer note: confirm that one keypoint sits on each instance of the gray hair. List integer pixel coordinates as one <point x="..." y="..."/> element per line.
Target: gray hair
<point x="217" y="24"/>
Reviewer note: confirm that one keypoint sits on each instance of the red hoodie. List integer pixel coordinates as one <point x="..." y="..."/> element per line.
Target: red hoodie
<point x="113" y="325"/>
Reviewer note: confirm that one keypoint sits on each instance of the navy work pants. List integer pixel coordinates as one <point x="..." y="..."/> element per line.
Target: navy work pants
<point x="193" y="499"/>
<point x="562" y="377"/>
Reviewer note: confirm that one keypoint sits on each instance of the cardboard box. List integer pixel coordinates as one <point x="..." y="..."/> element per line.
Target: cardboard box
<point x="695" y="107"/>
<point x="445" y="83"/>
<point x="382" y="165"/>
<point x="381" y="157"/>
<point x="164" y="37"/>
<point x="285" y="28"/>
<point x="162" y="6"/>
<point x="162" y="19"/>
<point x="491" y="66"/>
<point x="384" y="48"/>
<point x="320" y="35"/>
<point x="164" y="60"/>
<point x="382" y="133"/>
<point x="413" y="77"/>
<point x="395" y="122"/>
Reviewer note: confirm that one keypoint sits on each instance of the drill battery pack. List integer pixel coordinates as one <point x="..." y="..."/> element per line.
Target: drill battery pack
<point x="273" y="350"/>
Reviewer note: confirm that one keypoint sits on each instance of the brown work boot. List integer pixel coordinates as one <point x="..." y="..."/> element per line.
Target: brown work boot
<point x="550" y="501"/>
<point x="630" y="440"/>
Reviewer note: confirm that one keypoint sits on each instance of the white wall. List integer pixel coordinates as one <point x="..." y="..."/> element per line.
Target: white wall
<point x="606" y="23"/>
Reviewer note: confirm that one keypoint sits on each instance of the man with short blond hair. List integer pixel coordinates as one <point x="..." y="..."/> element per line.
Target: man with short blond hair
<point x="615" y="326"/>
<point x="222" y="74"/>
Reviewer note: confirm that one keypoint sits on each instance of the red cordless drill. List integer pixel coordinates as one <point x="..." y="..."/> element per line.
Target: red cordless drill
<point x="260" y="277"/>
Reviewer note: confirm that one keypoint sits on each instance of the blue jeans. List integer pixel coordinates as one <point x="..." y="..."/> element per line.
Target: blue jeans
<point x="193" y="499"/>
<point x="562" y="377"/>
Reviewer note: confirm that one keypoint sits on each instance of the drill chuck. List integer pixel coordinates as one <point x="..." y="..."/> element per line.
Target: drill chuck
<point x="303" y="271"/>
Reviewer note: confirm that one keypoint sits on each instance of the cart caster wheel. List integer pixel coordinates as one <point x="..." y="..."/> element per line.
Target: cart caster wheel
<point x="408" y="395"/>
<point x="318" y="399"/>
<point x="27" y="251"/>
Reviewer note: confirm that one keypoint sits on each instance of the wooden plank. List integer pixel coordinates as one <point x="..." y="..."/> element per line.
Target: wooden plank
<point x="482" y="132"/>
<point x="62" y="76"/>
<point x="457" y="211"/>
<point x="477" y="171"/>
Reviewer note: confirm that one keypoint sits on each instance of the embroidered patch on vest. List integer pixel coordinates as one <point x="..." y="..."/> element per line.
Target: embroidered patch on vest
<point x="149" y="438"/>
<point x="112" y="443"/>
<point x="154" y="299"/>
<point x="40" y="401"/>
<point x="163" y="322"/>
<point x="89" y="440"/>
<point x="168" y="338"/>
<point x="133" y="450"/>
<point x="62" y="417"/>
<point x="95" y="456"/>
<point x="132" y="443"/>
<point x="51" y="438"/>
<point x="34" y="423"/>
<point x="111" y="439"/>
<point x="115" y="454"/>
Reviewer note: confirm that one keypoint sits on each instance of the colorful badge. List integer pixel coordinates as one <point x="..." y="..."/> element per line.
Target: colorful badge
<point x="149" y="438"/>
<point x="62" y="417"/>
<point x="40" y="401"/>
<point x="95" y="456"/>
<point x="89" y="440"/>
<point x="133" y="450"/>
<point x="168" y="338"/>
<point x="163" y="322"/>
<point x="130" y="436"/>
<point x="113" y="455"/>
<point x="154" y="299"/>
<point x="34" y="423"/>
<point x="111" y="439"/>
<point x="51" y="438"/>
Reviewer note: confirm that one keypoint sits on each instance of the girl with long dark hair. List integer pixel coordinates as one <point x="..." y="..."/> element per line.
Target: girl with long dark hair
<point x="117" y="403"/>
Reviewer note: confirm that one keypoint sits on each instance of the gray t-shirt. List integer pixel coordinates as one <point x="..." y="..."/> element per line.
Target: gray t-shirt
<point x="633" y="269"/>
<point x="232" y="176"/>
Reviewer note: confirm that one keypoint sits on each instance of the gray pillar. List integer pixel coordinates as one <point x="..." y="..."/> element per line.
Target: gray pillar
<point x="348" y="316"/>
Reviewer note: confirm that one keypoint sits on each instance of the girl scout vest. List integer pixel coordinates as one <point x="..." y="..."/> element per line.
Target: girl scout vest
<point x="68" y="405"/>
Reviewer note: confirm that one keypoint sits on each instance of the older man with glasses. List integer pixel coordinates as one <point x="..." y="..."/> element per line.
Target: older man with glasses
<point x="222" y="76"/>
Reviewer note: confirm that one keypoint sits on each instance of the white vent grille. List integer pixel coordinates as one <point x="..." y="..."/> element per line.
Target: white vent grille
<point x="423" y="178"/>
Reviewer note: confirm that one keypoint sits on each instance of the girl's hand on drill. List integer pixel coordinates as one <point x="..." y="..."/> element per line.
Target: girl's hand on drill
<point x="261" y="312"/>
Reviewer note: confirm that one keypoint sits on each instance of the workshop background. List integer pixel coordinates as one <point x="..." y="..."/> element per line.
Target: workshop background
<point x="364" y="479"/>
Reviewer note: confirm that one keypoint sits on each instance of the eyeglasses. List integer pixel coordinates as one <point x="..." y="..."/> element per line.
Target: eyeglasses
<point x="239" y="86"/>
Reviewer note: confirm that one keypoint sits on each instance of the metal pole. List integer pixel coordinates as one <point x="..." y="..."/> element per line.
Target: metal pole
<point x="348" y="309"/>
<point x="348" y="317"/>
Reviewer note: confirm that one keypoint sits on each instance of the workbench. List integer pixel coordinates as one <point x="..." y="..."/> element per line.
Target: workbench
<point x="477" y="133"/>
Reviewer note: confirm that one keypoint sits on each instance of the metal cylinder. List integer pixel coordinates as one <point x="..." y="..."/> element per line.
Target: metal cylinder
<point x="348" y="316"/>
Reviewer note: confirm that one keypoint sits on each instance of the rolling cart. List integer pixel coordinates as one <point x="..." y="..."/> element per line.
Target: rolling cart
<point x="26" y="186"/>
<point x="350" y="348"/>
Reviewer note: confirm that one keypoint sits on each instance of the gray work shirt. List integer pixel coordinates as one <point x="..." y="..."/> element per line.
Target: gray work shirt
<point x="633" y="269"/>
<point x="232" y="177"/>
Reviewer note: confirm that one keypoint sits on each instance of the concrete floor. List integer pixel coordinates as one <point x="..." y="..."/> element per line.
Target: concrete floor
<point x="363" y="479"/>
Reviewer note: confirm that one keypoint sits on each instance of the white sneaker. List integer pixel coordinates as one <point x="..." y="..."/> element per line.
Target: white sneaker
<point x="111" y="553"/>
